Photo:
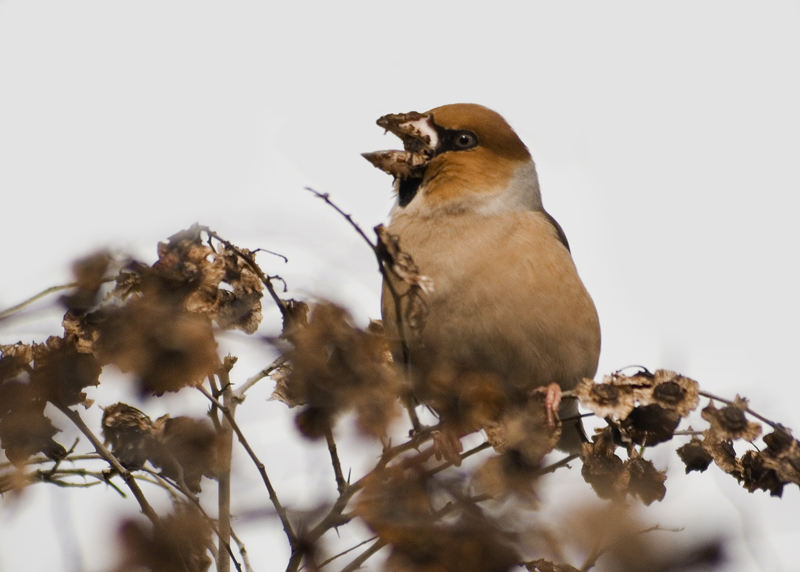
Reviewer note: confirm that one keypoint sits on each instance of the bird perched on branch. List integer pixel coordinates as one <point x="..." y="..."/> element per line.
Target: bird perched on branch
<point x="507" y="314"/>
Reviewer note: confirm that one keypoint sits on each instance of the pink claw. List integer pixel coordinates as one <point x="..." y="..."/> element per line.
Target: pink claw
<point x="552" y="399"/>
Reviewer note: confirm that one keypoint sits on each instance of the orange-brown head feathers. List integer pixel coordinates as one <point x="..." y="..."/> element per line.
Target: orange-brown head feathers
<point x="459" y="157"/>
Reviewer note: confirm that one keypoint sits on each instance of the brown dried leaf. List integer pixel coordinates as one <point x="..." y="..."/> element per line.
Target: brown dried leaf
<point x="523" y="430"/>
<point x="82" y="330"/>
<point x="783" y="455"/>
<point x="619" y="394"/>
<point x="60" y="372"/>
<point x="199" y="278"/>
<point x="650" y="424"/>
<point x="239" y="308"/>
<point x="15" y="360"/>
<point x="336" y="367"/>
<point x="645" y="481"/>
<point x="179" y="544"/>
<point x="281" y="376"/>
<point x="188" y="450"/>
<point x="164" y="346"/>
<point x="722" y="452"/>
<point x="447" y="446"/>
<point x="508" y="473"/>
<point x="603" y="469"/>
<point x="89" y="275"/>
<point x="185" y="449"/>
<point x="399" y="509"/>
<point x="24" y="429"/>
<point x="402" y="267"/>
<point x="694" y="456"/>
<point x="730" y="422"/>
<point x="757" y="475"/>
<point x="296" y="316"/>
<point x="130" y="434"/>
<point x="607" y="399"/>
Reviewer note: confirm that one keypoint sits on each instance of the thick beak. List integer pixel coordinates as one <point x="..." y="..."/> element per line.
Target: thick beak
<point x="420" y="139"/>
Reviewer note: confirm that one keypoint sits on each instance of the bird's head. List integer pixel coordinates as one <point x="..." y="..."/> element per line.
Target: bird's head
<point x="456" y="158"/>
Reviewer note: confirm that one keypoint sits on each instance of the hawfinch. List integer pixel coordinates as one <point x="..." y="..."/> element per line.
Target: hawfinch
<point x="506" y="304"/>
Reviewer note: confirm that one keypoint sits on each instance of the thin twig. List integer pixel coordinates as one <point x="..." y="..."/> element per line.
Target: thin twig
<point x="332" y="558"/>
<point x="68" y="453"/>
<point x="255" y="268"/>
<point x="273" y="496"/>
<point x="41" y="459"/>
<point x="224" y="477"/>
<point x="126" y="475"/>
<point x="171" y="486"/>
<point x="386" y="279"/>
<point x="475" y="450"/>
<point x="8" y="312"/>
<point x="334" y="517"/>
<point x="46" y="292"/>
<point x="776" y="426"/>
<point x="418" y="438"/>
<point x="279" y="255"/>
<point x="242" y="552"/>
<point x="597" y="552"/>
<point x="356" y="564"/>
<point x="239" y="393"/>
<point x="337" y="466"/>
<point x="551" y="468"/>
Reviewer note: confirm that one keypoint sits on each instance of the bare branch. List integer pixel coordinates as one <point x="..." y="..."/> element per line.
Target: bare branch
<point x="356" y="564"/>
<point x="382" y="268"/>
<point x="332" y="558"/>
<point x="242" y="553"/>
<point x="239" y="393"/>
<point x="341" y="484"/>
<point x="273" y="496"/>
<point x="76" y="419"/>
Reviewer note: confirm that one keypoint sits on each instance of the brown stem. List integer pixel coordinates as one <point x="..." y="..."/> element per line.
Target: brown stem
<point x="332" y="558"/>
<point x="598" y="551"/>
<point x="551" y="468"/>
<point x="356" y="564"/>
<point x="76" y="419"/>
<point x="337" y="466"/>
<point x="169" y="485"/>
<point x="475" y="450"/>
<point x="382" y="269"/>
<point x="224" y="478"/>
<point x="273" y="496"/>
<point x="241" y="390"/>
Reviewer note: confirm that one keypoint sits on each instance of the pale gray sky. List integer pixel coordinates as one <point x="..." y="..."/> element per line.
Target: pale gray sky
<point x="666" y="136"/>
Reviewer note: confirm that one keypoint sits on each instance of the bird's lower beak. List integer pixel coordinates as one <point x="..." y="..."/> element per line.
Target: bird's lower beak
<point x="420" y="138"/>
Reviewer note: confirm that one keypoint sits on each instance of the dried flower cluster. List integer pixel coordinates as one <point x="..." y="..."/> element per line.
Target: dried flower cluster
<point x="645" y="409"/>
<point x="185" y="449"/>
<point x="334" y="367"/>
<point x="427" y="508"/>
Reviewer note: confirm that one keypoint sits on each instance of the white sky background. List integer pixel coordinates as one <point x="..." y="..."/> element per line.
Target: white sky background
<point x="666" y="135"/>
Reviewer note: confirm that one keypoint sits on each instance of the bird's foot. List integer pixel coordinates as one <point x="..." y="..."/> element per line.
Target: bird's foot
<point x="552" y="399"/>
<point x="447" y="446"/>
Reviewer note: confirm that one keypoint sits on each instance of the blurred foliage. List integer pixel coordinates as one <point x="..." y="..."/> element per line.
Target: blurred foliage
<point x="160" y="322"/>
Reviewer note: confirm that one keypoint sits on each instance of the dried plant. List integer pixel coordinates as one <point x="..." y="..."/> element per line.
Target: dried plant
<point x="160" y="323"/>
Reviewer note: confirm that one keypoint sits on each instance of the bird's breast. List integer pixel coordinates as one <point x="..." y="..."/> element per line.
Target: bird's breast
<point x="506" y="300"/>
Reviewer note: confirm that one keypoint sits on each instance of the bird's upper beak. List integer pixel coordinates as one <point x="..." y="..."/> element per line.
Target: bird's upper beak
<point x="420" y="139"/>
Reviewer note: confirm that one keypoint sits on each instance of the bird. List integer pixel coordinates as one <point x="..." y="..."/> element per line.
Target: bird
<point x="506" y="305"/>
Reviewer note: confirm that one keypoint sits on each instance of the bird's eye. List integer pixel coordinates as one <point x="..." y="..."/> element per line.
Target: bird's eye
<point x="465" y="140"/>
